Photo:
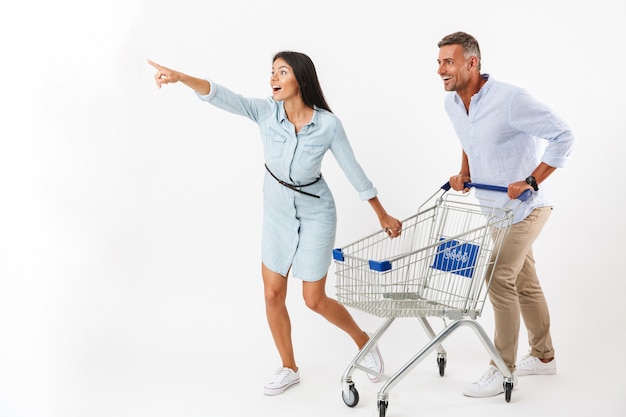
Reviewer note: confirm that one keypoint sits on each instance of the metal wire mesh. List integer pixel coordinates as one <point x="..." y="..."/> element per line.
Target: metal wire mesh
<point x="439" y="266"/>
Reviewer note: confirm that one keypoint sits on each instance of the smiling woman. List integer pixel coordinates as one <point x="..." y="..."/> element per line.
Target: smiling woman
<point x="285" y="88"/>
<point x="299" y="215"/>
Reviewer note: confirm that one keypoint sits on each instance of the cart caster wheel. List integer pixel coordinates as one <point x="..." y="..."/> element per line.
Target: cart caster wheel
<point x="382" y="408"/>
<point x="508" y="387"/>
<point x="441" y="361"/>
<point x="352" y="399"/>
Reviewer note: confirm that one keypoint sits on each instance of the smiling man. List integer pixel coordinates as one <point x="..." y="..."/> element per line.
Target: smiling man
<point x="509" y="139"/>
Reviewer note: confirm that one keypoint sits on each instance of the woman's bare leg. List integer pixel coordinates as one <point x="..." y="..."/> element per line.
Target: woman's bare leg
<point x="275" y="288"/>
<point x="315" y="297"/>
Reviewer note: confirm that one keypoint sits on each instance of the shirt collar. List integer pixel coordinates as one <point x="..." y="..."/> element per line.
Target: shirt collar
<point x="486" y="87"/>
<point x="282" y="115"/>
<point x="483" y="90"/>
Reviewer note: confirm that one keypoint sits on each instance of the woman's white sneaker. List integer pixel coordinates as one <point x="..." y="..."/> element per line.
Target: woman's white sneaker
<point x="374" y="361"/>
<point x="283" y="379"/>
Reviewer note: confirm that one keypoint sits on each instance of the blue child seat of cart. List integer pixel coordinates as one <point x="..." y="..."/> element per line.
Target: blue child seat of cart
<point x="380" y="266"/>
<point x="338" y="254"/>
<point x="456" y="257"/>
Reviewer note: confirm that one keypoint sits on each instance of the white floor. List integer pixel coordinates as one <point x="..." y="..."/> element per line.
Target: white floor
<point x="152" y="366"/>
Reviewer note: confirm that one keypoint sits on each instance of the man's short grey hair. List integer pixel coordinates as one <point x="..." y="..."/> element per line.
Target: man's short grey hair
<point x="468" y="43"/>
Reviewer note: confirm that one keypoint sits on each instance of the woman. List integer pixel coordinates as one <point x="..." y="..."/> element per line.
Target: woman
<point x="299" y="217"/>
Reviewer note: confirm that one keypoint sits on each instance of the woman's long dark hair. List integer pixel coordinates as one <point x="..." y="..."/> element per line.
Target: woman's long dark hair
<point x="306" y="75"/>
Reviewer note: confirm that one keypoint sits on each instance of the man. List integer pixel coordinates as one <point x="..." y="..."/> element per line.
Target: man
<point x="503" y="130"/>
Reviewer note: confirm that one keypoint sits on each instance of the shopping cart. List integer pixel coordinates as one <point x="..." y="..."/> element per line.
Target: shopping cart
<point x="440" y="266"/>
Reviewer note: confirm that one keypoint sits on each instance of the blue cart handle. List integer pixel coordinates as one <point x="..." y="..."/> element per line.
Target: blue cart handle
<point x="522" y="197"/>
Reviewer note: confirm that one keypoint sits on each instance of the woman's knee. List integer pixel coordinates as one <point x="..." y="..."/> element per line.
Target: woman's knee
<point x="274" y="288"/>
<point x="274" y="297"/>
<point x="315" y="298"/>
<point x="314" y="294"/>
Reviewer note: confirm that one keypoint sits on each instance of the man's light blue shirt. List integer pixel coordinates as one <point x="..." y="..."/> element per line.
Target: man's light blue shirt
<point x="506" y="134"/>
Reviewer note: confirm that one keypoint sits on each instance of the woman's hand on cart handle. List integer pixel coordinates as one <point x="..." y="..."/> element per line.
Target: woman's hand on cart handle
<point x="392" y="226"/>
<point x="467" y="185"/>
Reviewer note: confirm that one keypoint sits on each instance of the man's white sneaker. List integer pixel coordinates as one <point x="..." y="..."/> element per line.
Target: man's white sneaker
<point x="374" y="361"/>
<point x="283" y="379"/>
<point x="531" y="365"/>
<point x="490" y="384"/>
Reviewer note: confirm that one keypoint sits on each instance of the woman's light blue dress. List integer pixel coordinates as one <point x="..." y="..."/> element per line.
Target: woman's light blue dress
<point x="298" y="229"/>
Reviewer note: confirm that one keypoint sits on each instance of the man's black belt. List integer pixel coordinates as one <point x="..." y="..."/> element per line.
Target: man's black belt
<point x="293" y="186"/>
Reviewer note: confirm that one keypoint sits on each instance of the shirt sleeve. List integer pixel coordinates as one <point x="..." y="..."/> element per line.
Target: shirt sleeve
<point x="530" y="115"/>
<point x="221" y="97"/>
<point x="343" y="153"/>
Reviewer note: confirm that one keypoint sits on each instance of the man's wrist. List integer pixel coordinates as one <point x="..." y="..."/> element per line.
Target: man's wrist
<point x="532" y="182"/>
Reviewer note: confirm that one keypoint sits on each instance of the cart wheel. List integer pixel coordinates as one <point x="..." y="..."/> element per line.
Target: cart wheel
<point x="382" y="408"/>
<point x="508" y="387"/>
<point x="441" y="361"/>
<point x="352" y="399"/>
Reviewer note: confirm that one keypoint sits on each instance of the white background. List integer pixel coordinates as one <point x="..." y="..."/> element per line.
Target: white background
<point x="130" y="216"/>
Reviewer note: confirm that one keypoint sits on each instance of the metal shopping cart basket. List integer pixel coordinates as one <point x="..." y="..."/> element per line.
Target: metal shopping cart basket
<point x="440" y="266"/>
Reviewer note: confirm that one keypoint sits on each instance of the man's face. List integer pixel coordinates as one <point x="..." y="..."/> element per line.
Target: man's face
<point x="453" y="69"/>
